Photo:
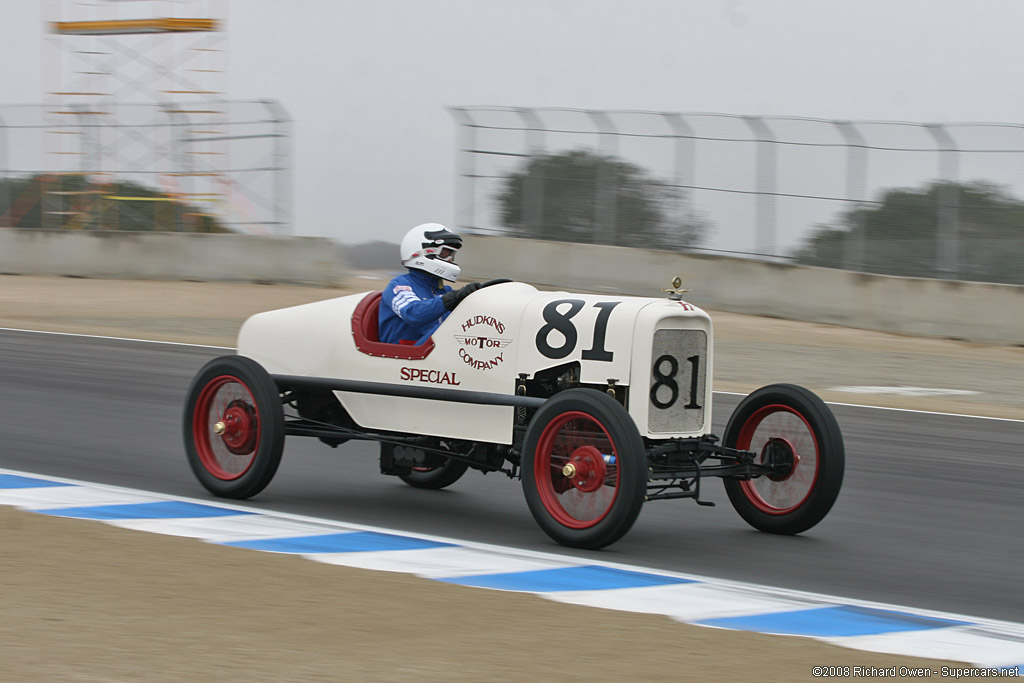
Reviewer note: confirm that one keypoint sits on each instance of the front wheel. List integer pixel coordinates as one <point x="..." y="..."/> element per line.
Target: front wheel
<point x="584" y="469"/>
<point x="794" y="432"/>
<point x="233" y="427"/>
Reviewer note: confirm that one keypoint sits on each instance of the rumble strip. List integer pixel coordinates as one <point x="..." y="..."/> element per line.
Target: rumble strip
<point x="690" y="599"/>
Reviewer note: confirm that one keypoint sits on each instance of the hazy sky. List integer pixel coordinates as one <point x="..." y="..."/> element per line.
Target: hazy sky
<point x="367" y="82"/>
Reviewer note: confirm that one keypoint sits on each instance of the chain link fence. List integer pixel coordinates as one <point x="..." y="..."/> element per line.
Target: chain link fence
<point x="920" y="199"/>
<point x="226" y="160"/>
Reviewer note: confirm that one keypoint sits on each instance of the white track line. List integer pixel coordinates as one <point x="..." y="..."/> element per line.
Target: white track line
<point x="544" y="557"/>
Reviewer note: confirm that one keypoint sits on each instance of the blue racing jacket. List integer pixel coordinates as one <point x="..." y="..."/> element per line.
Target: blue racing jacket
<point x="411" y="308"/>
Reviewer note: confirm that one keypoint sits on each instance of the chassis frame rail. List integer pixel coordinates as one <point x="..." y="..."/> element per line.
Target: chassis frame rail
<point x="285" y="382"/>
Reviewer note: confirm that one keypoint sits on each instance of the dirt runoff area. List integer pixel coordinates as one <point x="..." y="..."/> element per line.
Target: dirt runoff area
<point x="81" y="601"/>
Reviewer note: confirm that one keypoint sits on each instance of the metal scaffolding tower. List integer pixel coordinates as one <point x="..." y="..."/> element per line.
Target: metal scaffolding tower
<point x="134" y="92"/>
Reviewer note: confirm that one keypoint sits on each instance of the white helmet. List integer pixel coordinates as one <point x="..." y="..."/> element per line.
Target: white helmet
<point x="431" y="248"/>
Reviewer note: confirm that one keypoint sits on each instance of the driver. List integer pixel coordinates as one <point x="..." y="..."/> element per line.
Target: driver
<point x="415" y="304"/>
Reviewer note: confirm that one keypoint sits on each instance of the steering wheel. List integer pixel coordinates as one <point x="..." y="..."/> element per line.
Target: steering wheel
<point x="499" y="281"/>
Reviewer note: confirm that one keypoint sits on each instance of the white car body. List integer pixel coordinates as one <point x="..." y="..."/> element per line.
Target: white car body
<point x="660" y="349"/>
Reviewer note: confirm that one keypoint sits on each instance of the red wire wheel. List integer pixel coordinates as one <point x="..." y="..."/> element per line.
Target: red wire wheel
<point x="584" y="469"/>
<point x="226" y="428"/>
<point x="795" y="433"/>
<point x="575" y="483"/>
<point x="437" y="477"/>
<point x="233" y="427"/>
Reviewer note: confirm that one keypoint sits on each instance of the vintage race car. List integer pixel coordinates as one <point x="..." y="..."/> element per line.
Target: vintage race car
<point x="597" y="403"/>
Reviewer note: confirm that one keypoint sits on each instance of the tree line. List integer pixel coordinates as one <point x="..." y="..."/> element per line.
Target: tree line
<point x="78" y="202"/>
<point x="969" y="231"/>
<point x="903" y="233"/>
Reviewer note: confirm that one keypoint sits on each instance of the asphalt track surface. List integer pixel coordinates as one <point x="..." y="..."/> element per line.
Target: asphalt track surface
<point x="929" y="515"/>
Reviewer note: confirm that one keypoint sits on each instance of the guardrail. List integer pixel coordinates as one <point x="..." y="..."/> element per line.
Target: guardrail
<point x="968" y="311"/>
<point x="173" y="256"/>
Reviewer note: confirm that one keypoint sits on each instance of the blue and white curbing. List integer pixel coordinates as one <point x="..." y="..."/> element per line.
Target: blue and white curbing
<point x="690" y="599"/>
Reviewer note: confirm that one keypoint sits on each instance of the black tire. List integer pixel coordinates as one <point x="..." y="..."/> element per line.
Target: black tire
<point x="436" y="477"/>
<point x="598" y="504"/>
<point x="792" y="425"/>
<point x="233" y="427"/>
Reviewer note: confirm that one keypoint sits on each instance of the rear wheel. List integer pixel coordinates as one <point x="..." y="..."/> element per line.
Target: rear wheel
<point x="435" y="477"/>
<point x="233" y="427"/>
<point x="584" y="469"/>
<point x="793" y="430"/>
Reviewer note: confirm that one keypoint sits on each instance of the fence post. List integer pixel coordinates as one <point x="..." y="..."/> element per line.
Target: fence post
<point x="464" y="189"/>
<point x="533" y="187"/>
<point x="606" y="209"/>
<point x="281" y="165"/>
<point x="856" y="188"/>
<point x="766" y="188"/>
<point x="5" y="185"/>
<point x="683" y="166"/>
<point x="948" y="256"/>
<point x="179" y="137"/>
<point x="181" y="161"/>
